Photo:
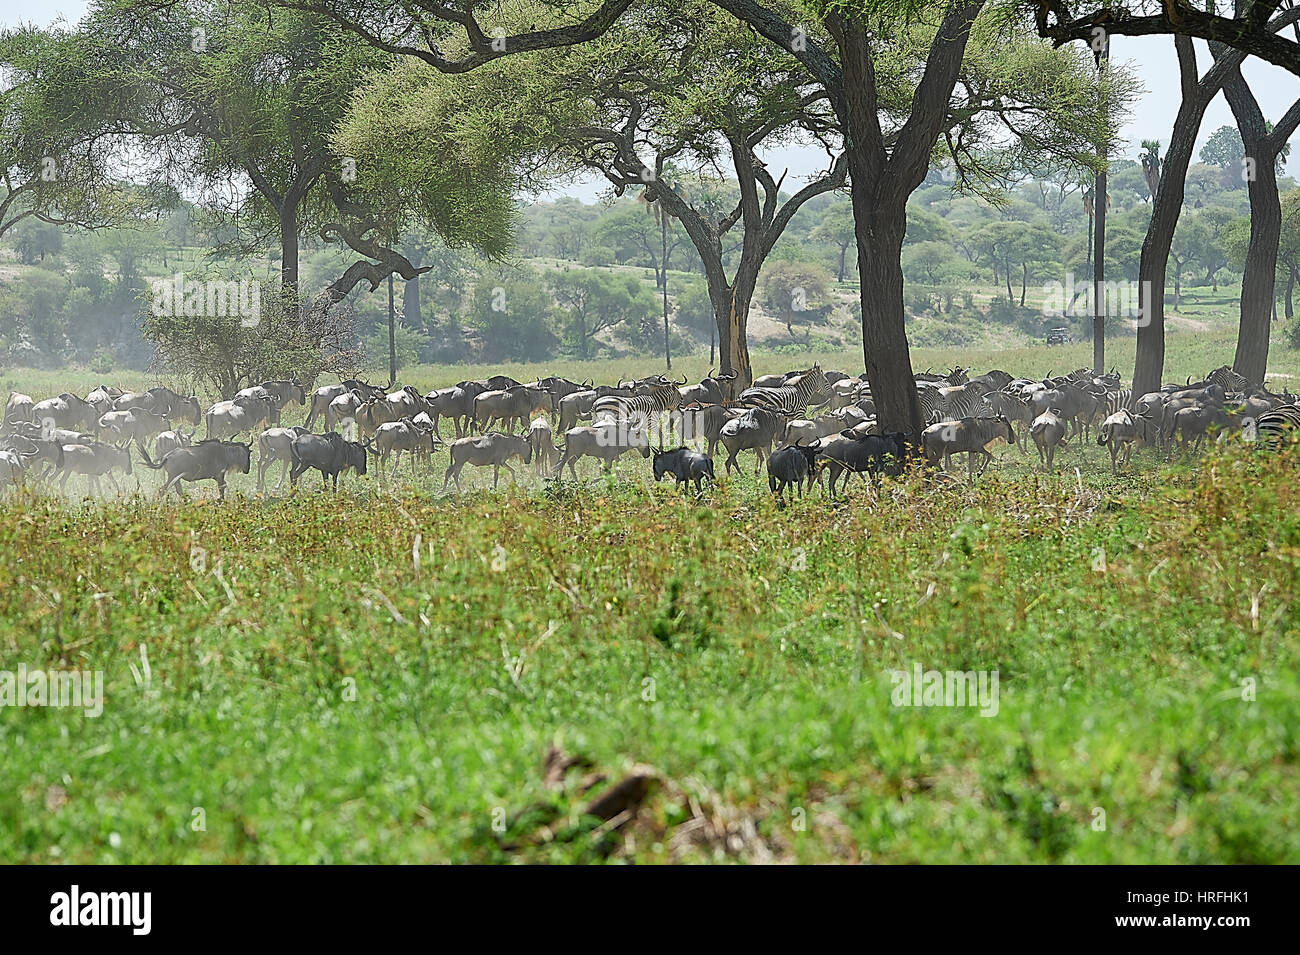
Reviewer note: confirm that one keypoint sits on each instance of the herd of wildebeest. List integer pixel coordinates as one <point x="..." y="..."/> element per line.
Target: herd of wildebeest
<point x="806" y="425"/>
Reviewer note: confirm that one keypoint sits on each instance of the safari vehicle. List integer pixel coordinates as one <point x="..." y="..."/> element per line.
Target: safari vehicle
<point x="1058" y="336"/>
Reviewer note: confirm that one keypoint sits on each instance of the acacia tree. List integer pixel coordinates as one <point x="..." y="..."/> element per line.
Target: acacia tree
<point x="1166" y="205"/>
<point x="850" y="49"/>
<point x="1263" y="147"/>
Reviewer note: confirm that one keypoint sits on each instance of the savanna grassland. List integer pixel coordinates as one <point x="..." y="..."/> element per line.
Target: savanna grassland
<point x="378" y="676"/>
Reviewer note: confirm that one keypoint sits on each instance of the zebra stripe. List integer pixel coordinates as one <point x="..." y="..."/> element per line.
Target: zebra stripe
<point x="1227" y="379"/>
<point x="1276" y="427"/>
<point x="793" y="399"/>
<point x="638" y="408"/>
<point x="1117" y="401"/>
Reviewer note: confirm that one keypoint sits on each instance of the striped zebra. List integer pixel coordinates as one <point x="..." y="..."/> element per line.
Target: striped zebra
<point x="1227" y="379"/>
<point x="1277" y="427"/>
<point x="1117" y="401"/>
<point x="793" y="398"/>
<point x="638" y="410"/>
<point x="952" y="404"/>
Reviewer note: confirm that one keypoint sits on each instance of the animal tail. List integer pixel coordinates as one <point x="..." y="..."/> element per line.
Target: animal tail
<point x="146" y="461"/>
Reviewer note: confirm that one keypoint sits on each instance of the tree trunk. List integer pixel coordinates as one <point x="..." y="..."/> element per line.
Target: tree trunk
<point x="411" y="316"/>
<point x="1165" y="208"/>
<point x="1259" y="276"/>
<point x="844" y="250"/>
<point x="1290" y="288"/>
<point x="1099" y="203"/>
<point x="885" y="350"/>
<point x="731" y="311"/>
<point x="289" y="246"/>
<point x="663" y="227"/>
<point x="392" y="335"/>
<point x="1024" y="282"/>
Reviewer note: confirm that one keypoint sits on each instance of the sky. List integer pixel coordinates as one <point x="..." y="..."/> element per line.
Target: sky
<point x="1152" y="59"/>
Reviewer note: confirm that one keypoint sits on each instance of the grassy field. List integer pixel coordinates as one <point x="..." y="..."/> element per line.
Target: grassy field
<point x="379" y="676"/>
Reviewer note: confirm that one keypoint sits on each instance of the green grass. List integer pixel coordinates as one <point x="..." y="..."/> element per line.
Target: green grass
<point x="1120" y="690"/>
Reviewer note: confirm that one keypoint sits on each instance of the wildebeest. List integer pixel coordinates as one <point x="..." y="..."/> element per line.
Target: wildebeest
<point x="685" y="465"/>
<point x="137" y="424"/>
<point x="605" y="441"/>
<point x="1122" y="430"/>
<point x="710" y="390"/>
<point x="275" y="444"/>
<point x="545" y="453"/>
<point x="518" y="403"/>
<point x="209" y="460"/>
<point x="12" y="469"/>
<point x="795" y="464"/>
<point x="394" y="437"/>
<point x="328" y="453"/>
<point x="321" y="397"/>
<point x="226" y="419"/>
<point x="66" y="411"/>
<point x="853" y="453"/>
<point x="18" y="407"/>
<point x="754" y="430"/>
<point x="972" y="435"/>
<point x="285" y="391"/>
<point x="493" y="449"/>
<point x="455" y="403"/>
<point x="102" y="398"/>
<point x="94" y="461"/>
<point x="1048" y="432"/>
<point x="169" y="441"/>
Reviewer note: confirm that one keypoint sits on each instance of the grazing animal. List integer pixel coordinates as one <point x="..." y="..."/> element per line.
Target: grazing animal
<point x="226" y="419"/>
<point x="18" y="408"/>
<point x="1048" y="433"/>
<point x="864" y="454"/>
<point x="94" y="461"/>
<point x="394" y="437"/>
<point x="685" y="465"/>
<point x="545" y="453"/>
<point x="329" y="453"/>
<point x="972" y="435"/>
<point x="493" y="450"/>
<point x="209" y="460"/>
<point x="791" y="466"/>
<point x="605" y="441"/>
<point x="275" y="444"/>
<point x="1122" y="430"/>
<point x="754" y="430"/>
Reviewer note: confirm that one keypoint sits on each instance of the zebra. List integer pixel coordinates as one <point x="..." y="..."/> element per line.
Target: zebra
<point x="638" y="410"/>
<point x="1227" y="379"/>
<point x="793" y="399"/>
<point x="952" y="404"/>
<point x="1277" y="427"/>
<point x="1117" y="401"/>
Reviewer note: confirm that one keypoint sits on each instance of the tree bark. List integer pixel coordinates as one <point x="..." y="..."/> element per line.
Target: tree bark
<point x="1259" y="276"/>
<point x="1166" y="206"/>
<point x="411" y="304"/>
<point x="289" y="246"/>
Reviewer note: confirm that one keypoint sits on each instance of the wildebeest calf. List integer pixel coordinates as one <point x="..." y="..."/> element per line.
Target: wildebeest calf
<point x="685" y="465"/>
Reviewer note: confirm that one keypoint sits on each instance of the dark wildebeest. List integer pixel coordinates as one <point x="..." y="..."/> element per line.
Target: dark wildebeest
<point x="493" y="449"/>
<point x="685" y="465"/>
<point x="794" y="465"/>
<point x="66" y="411"/>
<point x="711" y="390"/>
<point x="209" y="460"/>
<point x="517" y="403"/>
<point x="285" y="391"/>
<point x="328" y="453"/>
<point x="865" y="454"/>
<point x="455" y="403"/>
